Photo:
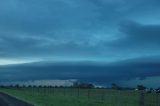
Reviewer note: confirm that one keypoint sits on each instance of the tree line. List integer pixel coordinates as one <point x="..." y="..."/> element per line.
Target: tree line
<point x="82" y="85"/>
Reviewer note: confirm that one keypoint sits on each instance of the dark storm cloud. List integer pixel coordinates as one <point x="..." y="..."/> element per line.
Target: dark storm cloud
<point x="42" y="16"/>
<point x="82" y="29"/>
<point x="138" y="36"/>
<point x="141" y="68"/>
<point x="45" y="26"/>
<point x="141" y="34"/>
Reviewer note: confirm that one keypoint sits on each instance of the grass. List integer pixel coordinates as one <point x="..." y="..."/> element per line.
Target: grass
<point x="80" y="97"/>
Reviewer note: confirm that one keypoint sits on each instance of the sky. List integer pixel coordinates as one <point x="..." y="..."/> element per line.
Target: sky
<point x="100" y="31"/>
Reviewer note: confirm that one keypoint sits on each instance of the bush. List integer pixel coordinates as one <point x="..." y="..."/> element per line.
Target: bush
<point x="83" y="85"/>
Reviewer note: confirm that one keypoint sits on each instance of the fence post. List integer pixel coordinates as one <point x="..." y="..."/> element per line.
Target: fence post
<point x="89" y="93"/>
<point x="103" y="95"/>
<point x="157" y="100"/>
<point x="141" y="98"/>
<point x="53" y="90"/>
<point x="64" y="91"/>
<point x="71" y="91"/>
<point x="78" y="91"/>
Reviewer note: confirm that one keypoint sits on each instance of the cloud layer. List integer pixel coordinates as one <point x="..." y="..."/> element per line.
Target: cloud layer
<point x="80" y="29"/>
<point x="136" y="71"/>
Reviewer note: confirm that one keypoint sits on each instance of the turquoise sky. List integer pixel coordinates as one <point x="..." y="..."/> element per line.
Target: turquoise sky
<point x="77" y="30"/>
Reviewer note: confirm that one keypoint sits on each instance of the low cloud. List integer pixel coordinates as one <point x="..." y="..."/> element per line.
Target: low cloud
<point x="98" y="73"/>
<point x="41" y="83"/>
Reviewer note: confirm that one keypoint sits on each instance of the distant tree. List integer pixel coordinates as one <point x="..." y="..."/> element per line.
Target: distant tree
<point x="158" y="90"/>
<point x="17" y="86"/>
<point x="83" y="85"/>
<point x="50" y="86"/>
<point x="76" y="84"/>
<point x="61" y="86"/>
<point x="87" y="85"/>
<point x="141" y="87"/>
<point x="23" y="86"/>
<point x="11" y="86"/>
<point x="40" y="86"/>
<point x="115" y="86"/>
<point x="29" y="86"/>
<point x="2" y="86"/>
<point x="45" y="86"/>
<point x="150" y="90"/>
<point x="34" y="86"/>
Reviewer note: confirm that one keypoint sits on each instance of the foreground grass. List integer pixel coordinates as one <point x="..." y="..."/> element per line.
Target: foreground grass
<point x="80" y="97"/>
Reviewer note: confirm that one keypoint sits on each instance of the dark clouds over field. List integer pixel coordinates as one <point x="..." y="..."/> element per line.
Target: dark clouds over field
<point x="127" y="73"/>
<point x="80" y="30"/>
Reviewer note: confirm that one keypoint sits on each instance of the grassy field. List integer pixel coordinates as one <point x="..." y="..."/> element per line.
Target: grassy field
<point x="81" y="97"/>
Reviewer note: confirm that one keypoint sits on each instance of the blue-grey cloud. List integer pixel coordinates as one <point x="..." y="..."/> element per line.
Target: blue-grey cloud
<point x="141" y="35"/>
<point x="84" y="71"/>
<point x="137" y="39"/>
<point x="74" y="28"/>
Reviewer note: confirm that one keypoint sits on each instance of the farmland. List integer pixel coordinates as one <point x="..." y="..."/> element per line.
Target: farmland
<point x="81" y="97"/>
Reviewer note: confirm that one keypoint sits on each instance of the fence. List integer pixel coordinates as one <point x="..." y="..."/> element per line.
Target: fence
<point x="98" y="97"/>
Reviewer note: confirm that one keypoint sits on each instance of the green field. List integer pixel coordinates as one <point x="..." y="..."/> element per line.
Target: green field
<point x="81" y="97"/>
